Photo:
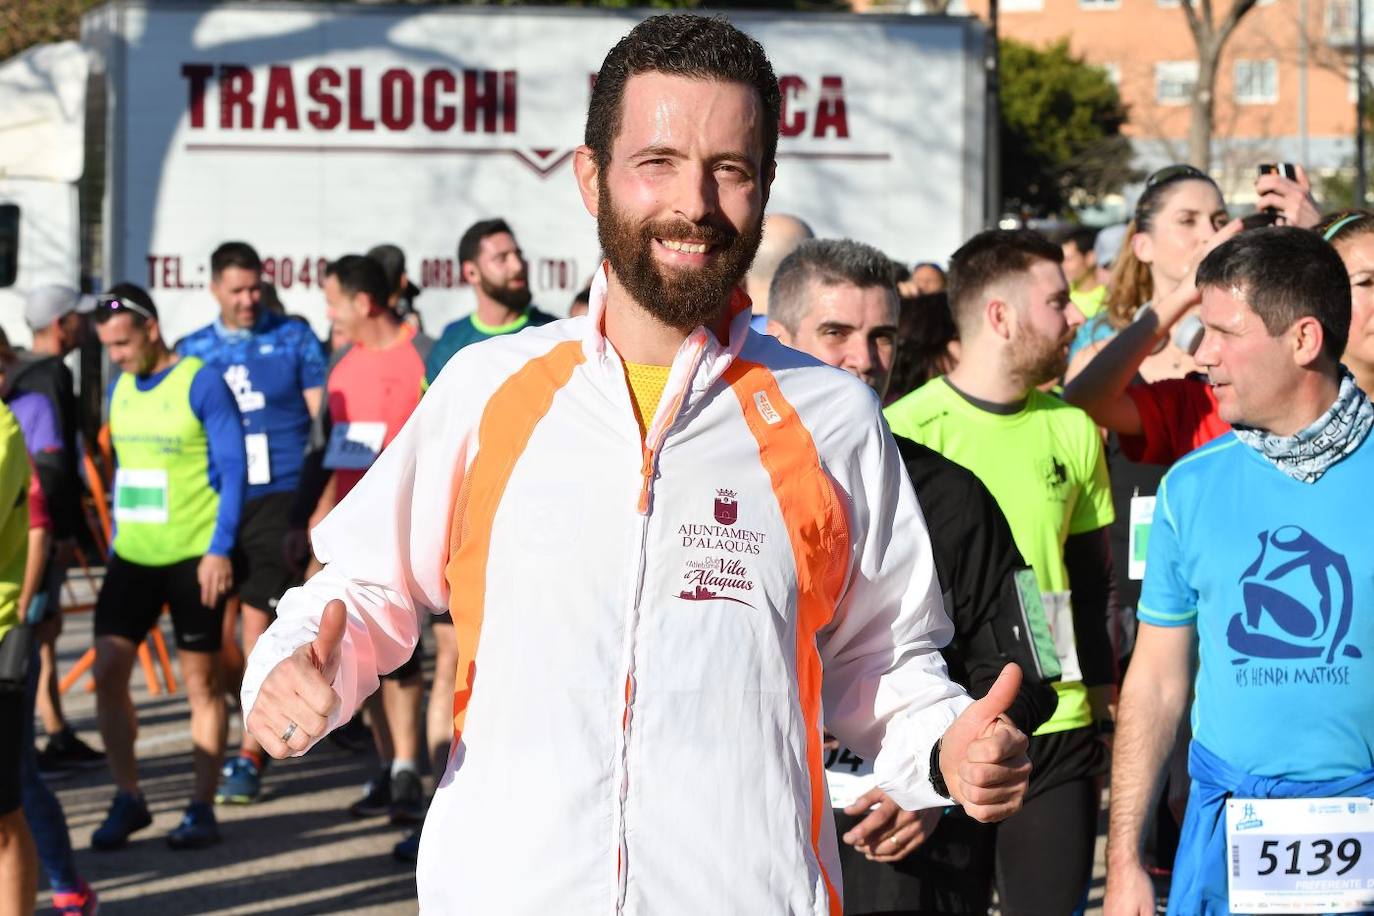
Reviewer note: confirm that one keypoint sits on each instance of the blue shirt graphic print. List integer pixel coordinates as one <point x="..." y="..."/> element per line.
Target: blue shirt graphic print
<point x="267" y="370"/>
<point x="1278" y="577"/>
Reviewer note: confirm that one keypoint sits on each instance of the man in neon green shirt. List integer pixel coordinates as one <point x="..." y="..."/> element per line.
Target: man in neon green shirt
<point x="1080" y="268"/>
<point x="1043" y="462"/>
<point x="18" y="858"/>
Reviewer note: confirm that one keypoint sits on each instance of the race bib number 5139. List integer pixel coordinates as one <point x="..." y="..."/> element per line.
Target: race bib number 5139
<point x="1300" y="855"/>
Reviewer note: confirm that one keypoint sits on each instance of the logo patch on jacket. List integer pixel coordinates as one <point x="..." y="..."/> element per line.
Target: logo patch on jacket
<point x="727" y="507"/>
<point x="716" y="555"/>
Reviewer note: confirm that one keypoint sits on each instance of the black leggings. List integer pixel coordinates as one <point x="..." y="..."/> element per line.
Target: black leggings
<point x="1045" y="852"/>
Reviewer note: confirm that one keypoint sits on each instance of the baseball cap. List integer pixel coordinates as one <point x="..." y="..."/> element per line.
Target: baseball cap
<point x="45" y="304"/>
<point x="1108" y="244"/>
<point x="393" y="261"/>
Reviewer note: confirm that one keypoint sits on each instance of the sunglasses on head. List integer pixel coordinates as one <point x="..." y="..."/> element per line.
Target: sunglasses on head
<point x="110" y="306"/>
<point x="1175" y="173"/>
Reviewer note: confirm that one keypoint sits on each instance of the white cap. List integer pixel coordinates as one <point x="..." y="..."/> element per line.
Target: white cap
<point x="45" y="304"/>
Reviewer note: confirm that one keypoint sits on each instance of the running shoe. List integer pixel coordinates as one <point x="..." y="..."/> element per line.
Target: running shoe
<point x="65" y="751"/>
<point x="128" y="813"/>
<point x="408" y="850"/>
<point x="80" y="902"/>
<point x="376" y="796"/>
<point x="240" y="782"/>
<point x="354" y="736"/>
<point x="197" y="828"/>
<point x="407" y="799"/>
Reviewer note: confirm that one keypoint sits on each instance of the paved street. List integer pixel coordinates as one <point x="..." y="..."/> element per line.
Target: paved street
<point x="296" y="851"/>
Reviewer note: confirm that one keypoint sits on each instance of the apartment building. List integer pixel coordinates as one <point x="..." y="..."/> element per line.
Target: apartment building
<point x="1285" y="87"/>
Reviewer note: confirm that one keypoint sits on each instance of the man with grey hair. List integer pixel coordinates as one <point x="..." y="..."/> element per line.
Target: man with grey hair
<point x="834" y="299"/>
<point x="781" y="234"/>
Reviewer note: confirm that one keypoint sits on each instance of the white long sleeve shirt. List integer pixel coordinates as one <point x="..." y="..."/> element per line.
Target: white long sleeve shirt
<point x="651" y="630"/>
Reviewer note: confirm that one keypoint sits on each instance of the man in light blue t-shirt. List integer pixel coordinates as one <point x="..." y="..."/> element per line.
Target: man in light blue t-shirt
<point x="1259" y="546"/>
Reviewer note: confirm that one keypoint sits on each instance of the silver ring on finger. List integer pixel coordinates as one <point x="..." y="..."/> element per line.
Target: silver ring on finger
<point x="893" y="839"/>
<point x="290" y="730"/>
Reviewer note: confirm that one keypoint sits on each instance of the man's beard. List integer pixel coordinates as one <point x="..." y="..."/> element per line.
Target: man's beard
<point x="1036" y="360"/>
<point x="681" y="299"/>
<point x="514" y="299"/>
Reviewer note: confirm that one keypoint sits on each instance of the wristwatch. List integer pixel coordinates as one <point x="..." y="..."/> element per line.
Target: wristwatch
<point x="937" y="778"/>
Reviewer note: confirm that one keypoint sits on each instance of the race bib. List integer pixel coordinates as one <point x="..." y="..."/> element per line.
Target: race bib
<point x="354" y="446"/>
<point x="1059" y="615"/>
<point x="848" y="776"/>
<point x="141" y="496"/>
<point x="1300" y="855"/>
<point x="1142" y="514"/>
<point x="259" y="468"/>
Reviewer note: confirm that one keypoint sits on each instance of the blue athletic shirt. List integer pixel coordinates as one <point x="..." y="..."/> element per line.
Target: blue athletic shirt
<point x="213" y="405"/>
<point x="267" y="368"/>
<point x="1278" y="577"/>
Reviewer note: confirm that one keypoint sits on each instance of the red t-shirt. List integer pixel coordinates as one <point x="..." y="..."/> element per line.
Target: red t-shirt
<point x="369" y="386"/>
<point x="1177" y="415"/>
<point x="38" y="503"/>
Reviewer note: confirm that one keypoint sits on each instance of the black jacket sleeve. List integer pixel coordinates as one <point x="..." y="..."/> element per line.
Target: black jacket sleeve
<point x="975" y="560"/>
<point x="1088" y="558"/>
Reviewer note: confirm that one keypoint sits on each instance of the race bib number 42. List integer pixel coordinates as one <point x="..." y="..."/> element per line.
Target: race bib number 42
<point x="1300" y="855"/>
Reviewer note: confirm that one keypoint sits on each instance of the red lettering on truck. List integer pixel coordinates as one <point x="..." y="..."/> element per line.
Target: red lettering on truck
<point x="235" y="95"/>
<point x="330" y="112"/>
<point x="355" y="99"/>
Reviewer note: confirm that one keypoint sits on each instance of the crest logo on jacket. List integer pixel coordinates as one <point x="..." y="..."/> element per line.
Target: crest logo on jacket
<point x="727" y="507"/>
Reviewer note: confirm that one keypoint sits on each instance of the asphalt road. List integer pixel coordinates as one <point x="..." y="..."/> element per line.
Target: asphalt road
<point x="296" y="851"/>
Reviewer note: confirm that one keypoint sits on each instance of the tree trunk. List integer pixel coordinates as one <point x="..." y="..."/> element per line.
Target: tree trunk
<point x="1203" y="105"/>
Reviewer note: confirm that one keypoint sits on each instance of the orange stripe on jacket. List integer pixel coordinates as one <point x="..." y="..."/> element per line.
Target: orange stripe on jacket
<point x="819" y="535"/>
<point x="507" y="423"/>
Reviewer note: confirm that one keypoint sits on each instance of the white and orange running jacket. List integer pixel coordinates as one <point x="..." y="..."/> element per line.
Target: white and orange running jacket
<point x="651" y="637"/>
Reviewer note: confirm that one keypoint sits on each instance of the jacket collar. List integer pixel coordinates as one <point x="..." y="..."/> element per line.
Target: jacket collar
<point x="699" y="363"/>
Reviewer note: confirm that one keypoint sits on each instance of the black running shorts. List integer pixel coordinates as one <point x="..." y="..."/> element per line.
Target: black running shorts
<point x="133" y="596"/>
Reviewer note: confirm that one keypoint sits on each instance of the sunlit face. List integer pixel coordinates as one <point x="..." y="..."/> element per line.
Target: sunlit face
<point x="1078" y="265"/>
<point x="345" y="312"/>
<point x="1192" y="213"/>
<point x="1251" y="372"/>
<point x="132" y="347"/>
<point x="1044" y="325"/>
<point x="500" y="271"/>
<point x="1358" y="255"/>
<point x="849" y="327"/>
<point x="238" y="291"/>
<point x="679" y="206"/>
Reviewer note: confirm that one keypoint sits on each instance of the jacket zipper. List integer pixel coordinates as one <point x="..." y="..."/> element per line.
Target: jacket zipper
<point x="646" y="471"/>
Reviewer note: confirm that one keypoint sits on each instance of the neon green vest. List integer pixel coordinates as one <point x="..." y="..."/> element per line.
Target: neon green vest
<point x="14" y="518"/>
<point x="164" y="506"/>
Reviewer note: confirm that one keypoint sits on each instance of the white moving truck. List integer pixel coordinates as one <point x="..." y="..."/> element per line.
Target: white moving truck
<point x="315" y="130"/>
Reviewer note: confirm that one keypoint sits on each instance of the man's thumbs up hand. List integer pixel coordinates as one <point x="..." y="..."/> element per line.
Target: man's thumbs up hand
<point x="983" y="755"/>
<point x="325" y="649"/>
<point x="296" y="699"/>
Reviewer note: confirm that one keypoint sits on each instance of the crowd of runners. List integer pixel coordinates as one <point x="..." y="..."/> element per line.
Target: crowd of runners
<point x="716" y="627"/>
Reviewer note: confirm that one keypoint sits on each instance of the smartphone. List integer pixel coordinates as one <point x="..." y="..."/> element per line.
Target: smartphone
<point x="1287" y="170"/>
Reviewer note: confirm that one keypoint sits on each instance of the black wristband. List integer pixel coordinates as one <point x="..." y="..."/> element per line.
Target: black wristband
<point x="937" y="778"/>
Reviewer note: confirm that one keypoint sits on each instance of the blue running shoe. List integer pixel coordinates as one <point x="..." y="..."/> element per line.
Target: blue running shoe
<point x="408" y="850"/>
<point x="197" y="829"/>
<point x="240" y="782"/>
<point x="128" y="813"/>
